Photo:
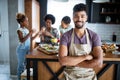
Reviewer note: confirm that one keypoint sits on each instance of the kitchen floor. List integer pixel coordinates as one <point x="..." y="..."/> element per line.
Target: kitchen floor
<point x="5" y="72"/>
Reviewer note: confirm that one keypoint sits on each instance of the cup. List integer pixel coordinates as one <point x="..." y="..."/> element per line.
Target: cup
<point x="108" y="19"/>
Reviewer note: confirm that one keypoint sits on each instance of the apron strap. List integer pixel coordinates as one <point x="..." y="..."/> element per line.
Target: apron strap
<point x="87" y="36"/>
<point x="71" y="44"/>
<point x="72" y="41"/>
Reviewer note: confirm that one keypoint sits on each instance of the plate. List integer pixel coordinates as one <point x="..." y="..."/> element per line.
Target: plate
<point x="49" y="47"/>
<point x="53" y="48"/>
<point x="44" y="45"/>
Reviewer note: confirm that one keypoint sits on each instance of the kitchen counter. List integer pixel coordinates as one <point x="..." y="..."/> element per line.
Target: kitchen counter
<point x="110" y="42"/>
<point x="49" y="66"/>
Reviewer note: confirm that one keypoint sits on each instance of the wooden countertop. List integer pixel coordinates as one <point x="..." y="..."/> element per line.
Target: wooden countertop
<point x="38" y="54"/>
<point x="111" y="57"/>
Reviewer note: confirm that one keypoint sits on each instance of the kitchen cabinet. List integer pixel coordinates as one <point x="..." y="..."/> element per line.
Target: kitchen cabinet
<point x="107" y="12"/>
<point x="32" y="10"/>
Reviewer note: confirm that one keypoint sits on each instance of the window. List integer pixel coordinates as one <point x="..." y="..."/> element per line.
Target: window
<point x="61" y="9"/>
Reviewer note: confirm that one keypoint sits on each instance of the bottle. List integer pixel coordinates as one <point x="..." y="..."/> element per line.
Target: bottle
<point x="114" y="37"/>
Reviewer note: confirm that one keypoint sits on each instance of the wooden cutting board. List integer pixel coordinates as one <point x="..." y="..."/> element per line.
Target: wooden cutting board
<point x="47" y="52"/>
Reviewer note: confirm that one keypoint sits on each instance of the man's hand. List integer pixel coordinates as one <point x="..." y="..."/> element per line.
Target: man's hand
<point x="89" y="57"/>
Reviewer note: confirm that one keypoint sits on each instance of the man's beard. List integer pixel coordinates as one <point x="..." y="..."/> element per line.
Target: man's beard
<point x="78" y="26"/>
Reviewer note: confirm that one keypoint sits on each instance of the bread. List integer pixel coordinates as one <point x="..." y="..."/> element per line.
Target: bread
<point x="108" y="47"/>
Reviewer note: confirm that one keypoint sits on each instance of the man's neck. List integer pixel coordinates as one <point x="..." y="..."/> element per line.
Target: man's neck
<point x="80" y="32"/>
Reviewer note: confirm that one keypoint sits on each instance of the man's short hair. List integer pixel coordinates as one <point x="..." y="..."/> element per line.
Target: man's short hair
<point x="66" y="19"/>
<point x="79" y="7"/>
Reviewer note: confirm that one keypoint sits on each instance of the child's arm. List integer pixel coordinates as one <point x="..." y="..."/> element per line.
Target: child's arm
<point x="21" y="38"/>
<point x="38" y="33"/>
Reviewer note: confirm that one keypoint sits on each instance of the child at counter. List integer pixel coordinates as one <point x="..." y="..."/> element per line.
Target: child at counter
<point x="24" y="36"/>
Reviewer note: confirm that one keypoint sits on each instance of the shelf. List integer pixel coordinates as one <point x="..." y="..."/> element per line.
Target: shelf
<point x="106" y="22"/>
<point x="111" y="23"/>
<point x="109" y="3"/>
<point x="110" y="13"/>
<point x="100" y="12"/>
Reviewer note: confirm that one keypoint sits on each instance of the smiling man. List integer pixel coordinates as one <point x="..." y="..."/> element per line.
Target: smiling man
<point x="80" y="48"/>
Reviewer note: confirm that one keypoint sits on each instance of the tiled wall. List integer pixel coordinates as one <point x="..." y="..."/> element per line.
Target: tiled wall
<point x="105" y="30"/>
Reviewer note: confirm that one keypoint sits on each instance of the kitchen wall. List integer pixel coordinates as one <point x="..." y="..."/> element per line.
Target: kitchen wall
<point x="14" y="7"/>
<point x="4" y="38"/>
<point x="105" y="30"/>
<point x="8" y="25"/>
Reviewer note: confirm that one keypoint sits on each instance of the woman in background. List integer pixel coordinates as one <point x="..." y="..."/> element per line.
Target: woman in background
<point x="49" y="32"/>
<point x="24" y="35"/>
